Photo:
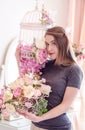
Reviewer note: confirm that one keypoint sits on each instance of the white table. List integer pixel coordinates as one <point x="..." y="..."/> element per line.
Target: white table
<point x="18" y="124"/>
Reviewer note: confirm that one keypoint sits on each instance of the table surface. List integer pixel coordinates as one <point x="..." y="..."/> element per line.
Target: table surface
<point x="17" y="123"/>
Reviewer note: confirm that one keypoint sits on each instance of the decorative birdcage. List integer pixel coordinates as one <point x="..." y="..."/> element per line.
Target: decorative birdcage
<point x="34" y="24"/>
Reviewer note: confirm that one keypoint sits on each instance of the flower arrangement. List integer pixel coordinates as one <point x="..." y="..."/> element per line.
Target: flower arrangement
<point x="27" y="93"/>
<point x="32" y="58"/>
<point x="79" y="51"/>
<point x="45" y="19"/>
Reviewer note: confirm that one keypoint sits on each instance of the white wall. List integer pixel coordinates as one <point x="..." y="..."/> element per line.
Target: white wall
<point x="12" y="12"/>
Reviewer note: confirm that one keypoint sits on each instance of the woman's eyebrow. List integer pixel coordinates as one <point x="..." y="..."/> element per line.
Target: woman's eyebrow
<point x="53" y="41"/>
<point x="50" y="41"/>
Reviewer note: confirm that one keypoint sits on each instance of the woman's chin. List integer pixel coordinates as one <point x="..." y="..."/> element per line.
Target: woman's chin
<point x="52" y="58"/>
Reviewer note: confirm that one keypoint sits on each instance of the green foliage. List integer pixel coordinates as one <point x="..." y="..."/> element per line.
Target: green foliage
<point x="40" y="107"/>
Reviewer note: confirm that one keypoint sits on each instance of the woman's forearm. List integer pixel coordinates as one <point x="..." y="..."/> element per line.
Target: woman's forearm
<point x="64" y="106"/>
<point x="55" y="112"/>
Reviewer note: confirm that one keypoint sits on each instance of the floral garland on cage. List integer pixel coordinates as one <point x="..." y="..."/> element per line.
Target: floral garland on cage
<point x="33" y="57"/>
<point x="45" y="18"/>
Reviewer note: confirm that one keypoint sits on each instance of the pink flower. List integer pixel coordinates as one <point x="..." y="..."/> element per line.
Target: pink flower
<point x="28" y="104"/>
<point x="46" y="18"/>
<point x="32" y="59"/>
<point x="1" y="103"/>
<point x="79" y="51"/>
<point x="45" y="89"/>
<point x="37" y="93"/>
<point x="41" y="55"/>
<point x="1" y="96"/>
<point x="28" y="80"/>
<point x="17" y="92"/>
<point x="5" y="113"/>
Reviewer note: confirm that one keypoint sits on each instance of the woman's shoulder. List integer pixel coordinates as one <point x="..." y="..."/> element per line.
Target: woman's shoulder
<point x="75" y="75"/>
<point x="76" y="68"/>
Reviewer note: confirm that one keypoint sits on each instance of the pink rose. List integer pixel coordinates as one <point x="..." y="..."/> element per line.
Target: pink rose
<point x="28" y="104"/>
<point x="1" y="102"/>
<point x="5" y="113"/>
<point x="17" y="92"/>
<point x="41" y="55"/>
<point x="37" y="93"/>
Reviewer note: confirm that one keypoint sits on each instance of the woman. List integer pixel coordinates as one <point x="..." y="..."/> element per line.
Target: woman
<point x="64" y="76"/>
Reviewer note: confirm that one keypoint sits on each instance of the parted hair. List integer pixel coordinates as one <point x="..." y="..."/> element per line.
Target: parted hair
<point x="66" y="55"/>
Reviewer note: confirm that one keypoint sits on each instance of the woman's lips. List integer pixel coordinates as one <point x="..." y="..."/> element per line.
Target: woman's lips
<point x="51" y="54"/>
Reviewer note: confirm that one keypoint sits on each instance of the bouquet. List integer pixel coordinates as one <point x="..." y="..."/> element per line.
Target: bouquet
<point x="27" y="93"/>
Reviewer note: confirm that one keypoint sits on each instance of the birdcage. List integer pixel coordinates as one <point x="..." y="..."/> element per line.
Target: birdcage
<point x="34" y="24"/>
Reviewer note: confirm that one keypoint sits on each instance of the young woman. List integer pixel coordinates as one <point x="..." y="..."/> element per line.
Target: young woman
<point x="64" y="76"/>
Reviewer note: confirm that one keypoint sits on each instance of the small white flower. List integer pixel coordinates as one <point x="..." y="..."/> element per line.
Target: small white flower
<point x="7" y="96"/>
<point x="40" y="44"/>
<point x="28" y="91"/>
<point x="10" y="108"/>
<point x="45" y="89"/>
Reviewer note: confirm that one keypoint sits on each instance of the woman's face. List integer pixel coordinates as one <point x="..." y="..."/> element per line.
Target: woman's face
<point x="51" y="47"/>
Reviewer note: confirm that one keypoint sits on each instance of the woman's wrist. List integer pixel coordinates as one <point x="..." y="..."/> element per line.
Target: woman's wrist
<point x="39" y="119"/>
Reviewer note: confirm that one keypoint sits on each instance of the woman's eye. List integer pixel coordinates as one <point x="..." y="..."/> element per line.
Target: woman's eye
<point x="47" y="44"/>
<point x="54" y="43"/>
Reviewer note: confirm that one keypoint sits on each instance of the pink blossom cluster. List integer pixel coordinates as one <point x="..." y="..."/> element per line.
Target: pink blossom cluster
<point x="32" y="59"/>
<point x="1" y="96"/>
<point x="45" y="20"/>
<point x="79" y="51"/>
<point x="2" y="105"/>
<point x="81" y="57"/>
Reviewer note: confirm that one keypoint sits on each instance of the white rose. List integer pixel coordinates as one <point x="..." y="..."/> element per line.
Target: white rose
<point x="28" y="91"/>
<point x="45" y="89"/>
<point x="7" y="96"/>
<point x="10" y="108"/>
<point x="40" y="44"/>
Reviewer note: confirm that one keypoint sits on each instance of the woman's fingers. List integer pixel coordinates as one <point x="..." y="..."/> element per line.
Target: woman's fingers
<point x="29" y="115"/>
<point x="18" y="53"/>
<point x="21" y="112"/>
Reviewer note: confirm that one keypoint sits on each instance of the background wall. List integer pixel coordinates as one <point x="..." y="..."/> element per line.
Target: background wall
<point x="12" y="12"/>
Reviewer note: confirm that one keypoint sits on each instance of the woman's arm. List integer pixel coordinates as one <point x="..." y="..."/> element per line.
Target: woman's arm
<point x="69" y="97"/>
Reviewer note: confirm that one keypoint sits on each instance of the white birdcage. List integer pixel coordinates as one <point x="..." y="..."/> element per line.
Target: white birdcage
<point x="34" y="24"/>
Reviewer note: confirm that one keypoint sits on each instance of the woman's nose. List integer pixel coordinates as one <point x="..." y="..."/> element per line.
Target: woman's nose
<point x="49" y="48"/>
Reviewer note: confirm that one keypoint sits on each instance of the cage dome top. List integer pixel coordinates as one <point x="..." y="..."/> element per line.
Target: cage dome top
<point x="36" y="19"/>
<point x="34" y="24"/>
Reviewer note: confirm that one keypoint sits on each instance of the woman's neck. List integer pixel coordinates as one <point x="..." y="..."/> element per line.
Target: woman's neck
<point x="64" y="62"/>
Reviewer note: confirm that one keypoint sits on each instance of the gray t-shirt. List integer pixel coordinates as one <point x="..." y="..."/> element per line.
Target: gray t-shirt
<point x="59" y="77"/>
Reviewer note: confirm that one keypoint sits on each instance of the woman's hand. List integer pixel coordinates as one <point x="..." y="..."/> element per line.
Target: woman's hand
<point x="30" y="116"/>
<point x="18" y="52"/>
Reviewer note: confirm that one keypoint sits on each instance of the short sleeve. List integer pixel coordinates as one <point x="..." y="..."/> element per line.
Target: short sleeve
<point x="75" y="77"/>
